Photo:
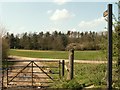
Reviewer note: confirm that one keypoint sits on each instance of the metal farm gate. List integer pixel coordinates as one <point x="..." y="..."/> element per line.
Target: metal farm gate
<point x="32" y="73"/>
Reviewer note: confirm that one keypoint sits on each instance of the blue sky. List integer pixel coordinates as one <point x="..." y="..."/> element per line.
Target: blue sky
<point x="19" y="17"/>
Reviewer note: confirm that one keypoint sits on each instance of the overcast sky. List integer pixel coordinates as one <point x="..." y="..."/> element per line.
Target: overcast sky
<point x="60" y="15"/>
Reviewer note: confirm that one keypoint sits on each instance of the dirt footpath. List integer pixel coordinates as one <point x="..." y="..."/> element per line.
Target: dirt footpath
<point x="66" y="60"/>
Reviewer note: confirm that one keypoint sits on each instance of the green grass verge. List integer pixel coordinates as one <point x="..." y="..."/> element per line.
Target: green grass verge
<point x="84" y="76"/>
<point x="79" y="55"/>
<point x="88" y="74"/>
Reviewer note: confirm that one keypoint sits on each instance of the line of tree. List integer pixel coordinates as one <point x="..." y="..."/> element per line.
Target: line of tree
<point x="57" y="40"/>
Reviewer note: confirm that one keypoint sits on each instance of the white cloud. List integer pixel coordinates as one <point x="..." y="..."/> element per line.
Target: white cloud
<point x="95" y="24"/>
<point x="61" y="15"/>
<point x="49" y="11"/>
<point x="61" y="2"/>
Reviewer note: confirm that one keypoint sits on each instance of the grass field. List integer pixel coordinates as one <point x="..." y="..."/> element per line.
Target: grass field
<point x="79" y="55"/>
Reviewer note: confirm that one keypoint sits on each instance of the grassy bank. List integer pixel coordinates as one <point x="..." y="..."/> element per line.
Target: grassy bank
<point x="79" y="55"/>
<point x="85" y="75"/>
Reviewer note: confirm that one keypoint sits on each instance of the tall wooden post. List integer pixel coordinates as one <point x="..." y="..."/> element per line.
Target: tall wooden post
<point x="118" y="43"/>
<point x="71" y="65"/>
<point x="1" y="66"/>
<point x="109" y="82"/>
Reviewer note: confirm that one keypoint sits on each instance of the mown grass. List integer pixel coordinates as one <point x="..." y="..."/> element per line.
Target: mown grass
<point x="79" y="55"/>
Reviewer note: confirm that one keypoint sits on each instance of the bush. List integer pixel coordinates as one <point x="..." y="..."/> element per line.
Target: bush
<point x="76" y="46"/>
<point x="83" y="46"/>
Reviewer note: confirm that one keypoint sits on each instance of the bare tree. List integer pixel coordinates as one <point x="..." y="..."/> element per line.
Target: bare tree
<point x="3" y="43"/>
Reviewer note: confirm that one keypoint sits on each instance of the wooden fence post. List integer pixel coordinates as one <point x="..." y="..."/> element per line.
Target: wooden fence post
<point x="63" y="64"/>
<point x="71" y="64"/>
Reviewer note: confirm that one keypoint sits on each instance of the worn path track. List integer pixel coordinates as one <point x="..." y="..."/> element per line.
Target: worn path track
<point x="76" y="61"/>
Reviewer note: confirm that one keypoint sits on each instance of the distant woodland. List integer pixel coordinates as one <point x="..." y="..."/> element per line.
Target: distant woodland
<point x="57" y="40"/>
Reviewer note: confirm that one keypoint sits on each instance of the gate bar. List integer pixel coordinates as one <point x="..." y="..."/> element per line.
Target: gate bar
<point x="20" y="71"/>
<point x="2" y="76"/>
<point x="43" y="71"/>
<point x="7" y="72"/>
<point x="59" y="69"/>
<point x="32" y="72"/>
<point x="33" y="60"/>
